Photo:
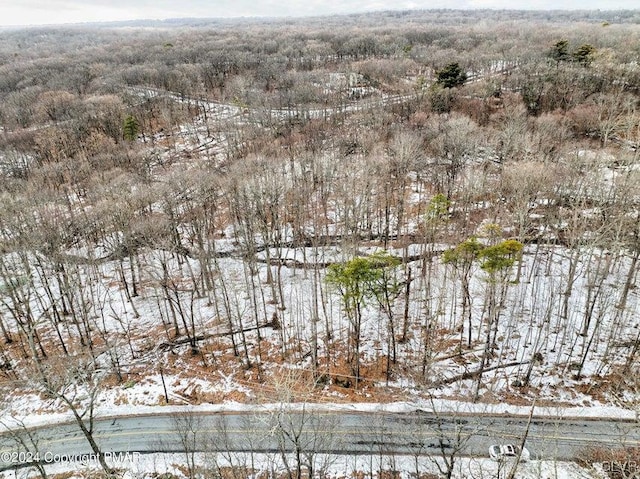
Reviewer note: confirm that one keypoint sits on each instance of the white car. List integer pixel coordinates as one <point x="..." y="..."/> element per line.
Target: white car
<point x="505" y="452"/>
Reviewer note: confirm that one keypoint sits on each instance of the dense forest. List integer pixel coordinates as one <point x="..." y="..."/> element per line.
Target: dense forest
<point x="393" y="205"/>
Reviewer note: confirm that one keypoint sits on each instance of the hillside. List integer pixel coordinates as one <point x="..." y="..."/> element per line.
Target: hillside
<point x="371" y="208"/>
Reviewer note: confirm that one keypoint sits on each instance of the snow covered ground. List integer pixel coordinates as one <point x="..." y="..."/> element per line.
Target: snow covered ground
<point x="562" y="323"/>
<point x="334" y="466"/>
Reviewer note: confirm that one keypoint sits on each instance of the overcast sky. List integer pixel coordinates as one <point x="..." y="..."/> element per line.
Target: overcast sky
<point x="38" y="12"/>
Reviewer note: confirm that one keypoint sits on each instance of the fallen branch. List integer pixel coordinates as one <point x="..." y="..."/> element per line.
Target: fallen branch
<point x="474" y="374"/>
<point x="170" y="345"/>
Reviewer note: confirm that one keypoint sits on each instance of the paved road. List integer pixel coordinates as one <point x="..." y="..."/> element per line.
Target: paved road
<point x="333" y="432"/>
